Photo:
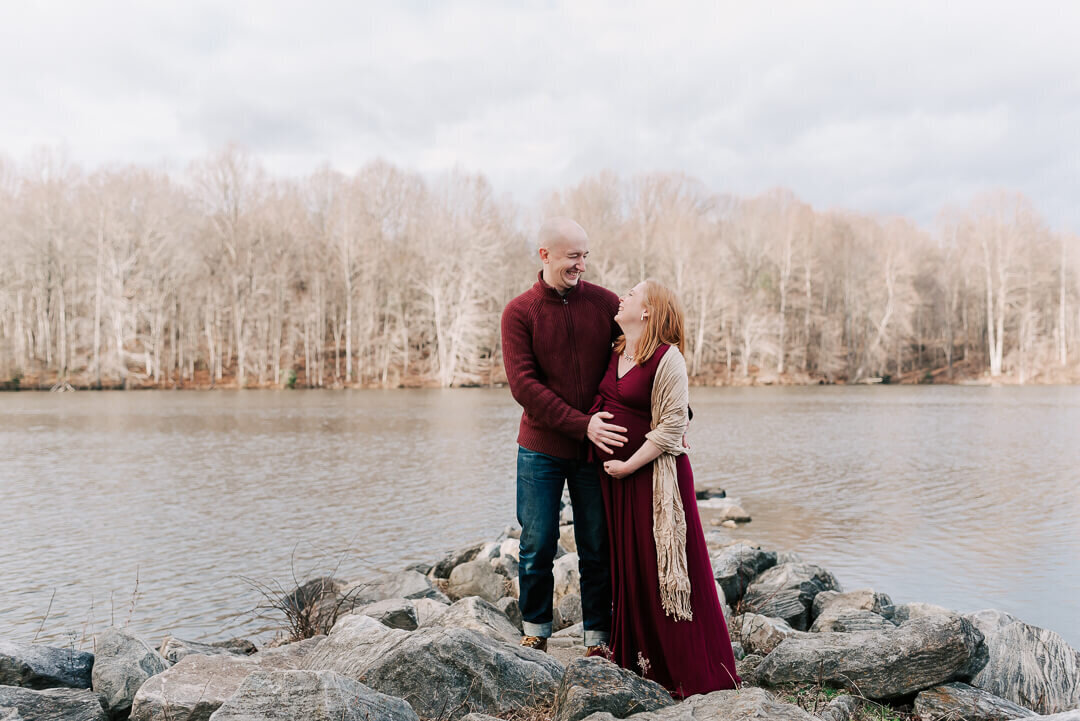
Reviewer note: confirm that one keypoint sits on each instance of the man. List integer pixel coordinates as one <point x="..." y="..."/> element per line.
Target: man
<point x="556" y="341"/>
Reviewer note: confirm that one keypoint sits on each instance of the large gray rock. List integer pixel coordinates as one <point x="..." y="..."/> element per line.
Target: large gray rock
<point x="477" y="614"/>
<point x="863" y="599"/>
<point x="595" y="684"/>
<point x="1064" y="716"/>
<point x="989" y="620"/>
<point x="54" y="704"/>
<point x="737" y="565"/>
<point x="462" y="671"/>
<point x="787" y="591"/>
<point x="393" y="612"/>
<point x="920" y="654"/>
<point x="427" y="609"/>
<point x="510" y="607"/>
<point x="907" y="611"/>
<point x="400" y="584"/>
<point x="312" y="696"/>
<point x="761" y="634"/>
<point x="843" y="620"/>
<point x="1033" y="667"/>
<point x="122" y="664"/>
<point x="742" y="705"/>
<point x="455" y="558"/>
<point x="173" y="649"/>
<point x="960" y="701"/>
<point x="33" y="666"/>
<point x="442" y="672"/>
<point x="353" y="645"/>
<point x="196" y="686"/>
<point x="477" y="578"/>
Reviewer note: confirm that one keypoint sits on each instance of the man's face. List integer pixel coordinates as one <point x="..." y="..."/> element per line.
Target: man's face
<point x="564" y="262"/>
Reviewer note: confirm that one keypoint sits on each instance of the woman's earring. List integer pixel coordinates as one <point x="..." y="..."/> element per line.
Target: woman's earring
<point x="643" y="315"/>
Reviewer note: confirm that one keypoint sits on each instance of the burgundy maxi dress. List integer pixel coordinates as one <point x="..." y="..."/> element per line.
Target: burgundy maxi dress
<point x="686" y="657"/>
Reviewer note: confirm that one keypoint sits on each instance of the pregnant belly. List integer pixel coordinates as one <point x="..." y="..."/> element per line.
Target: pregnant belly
<point x="636" y="427"/>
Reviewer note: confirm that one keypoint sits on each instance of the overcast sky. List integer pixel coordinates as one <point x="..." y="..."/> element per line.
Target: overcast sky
<point x="879" y="107"/>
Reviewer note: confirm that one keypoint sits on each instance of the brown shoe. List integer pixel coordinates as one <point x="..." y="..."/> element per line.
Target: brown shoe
<point x="537" y="642"/>
<point x="600" y="650"/>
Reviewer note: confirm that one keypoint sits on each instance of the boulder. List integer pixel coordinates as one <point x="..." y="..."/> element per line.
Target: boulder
<point x="477" y="578"/>
<point x="742" y="705"/>
<point x="32" y="666"/>
<point x="505" y="566"/>
<point x="1033" y="667"/>
<point x="735" y="566"/>
<point x="595" y="684"/>
<point x="310" y="695"/>
<point x="863" y="599"/>
<point x="122" y="664"/>
<point x="989" y="620"/>
<point x="400" y="584"/>
<point x="843" y="620"/>
<point x="761" y="634"/>
<point x="455" y="558"/>
<point x="960" y="701"/>
<point x="392" y="612"/>
<point x="510" y="548"/>
<point x="54" y="704"/>
<point x="787" y="591"/>
<point x="706" y="492"/>
<point x="173" y="649"/>
<point x="569" y="609"/>
<point x="427" y="609"/>
<point x="510" y="607"/>
<point x="477" y="614"/>
<point x="906" y="611"/>
<point x="443" y="672"/>
<point x="567" y="576"/>
<point x="196" y="686"/>
<point x="894" y="662"/>
<point x="738" y="651"/>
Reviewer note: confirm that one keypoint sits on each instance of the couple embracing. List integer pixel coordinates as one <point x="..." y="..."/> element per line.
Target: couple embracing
<point x="603" y="385"/>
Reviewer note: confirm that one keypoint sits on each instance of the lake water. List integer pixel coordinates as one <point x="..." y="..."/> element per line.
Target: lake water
<point x="148" y="508"/>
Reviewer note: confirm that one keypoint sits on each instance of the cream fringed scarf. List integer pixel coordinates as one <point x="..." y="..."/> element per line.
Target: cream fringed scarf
<point x="670" y="397"/>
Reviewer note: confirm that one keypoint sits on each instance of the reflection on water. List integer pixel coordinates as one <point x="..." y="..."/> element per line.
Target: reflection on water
<point x="965" y="497"/>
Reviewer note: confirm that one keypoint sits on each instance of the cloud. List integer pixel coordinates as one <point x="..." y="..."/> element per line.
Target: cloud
<point x="878" y="107"/>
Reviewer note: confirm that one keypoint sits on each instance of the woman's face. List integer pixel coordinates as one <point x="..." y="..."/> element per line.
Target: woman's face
<point x="631" y="306"/>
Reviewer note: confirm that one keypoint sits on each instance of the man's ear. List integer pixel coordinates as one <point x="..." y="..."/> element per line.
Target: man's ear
<point x="544" y="255"/>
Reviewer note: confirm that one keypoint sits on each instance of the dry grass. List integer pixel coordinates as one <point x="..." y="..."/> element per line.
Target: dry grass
<point x="814" y="697"/>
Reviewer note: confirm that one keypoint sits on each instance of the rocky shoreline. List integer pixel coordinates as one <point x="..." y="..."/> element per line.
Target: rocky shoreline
<point x="439" y="641"/>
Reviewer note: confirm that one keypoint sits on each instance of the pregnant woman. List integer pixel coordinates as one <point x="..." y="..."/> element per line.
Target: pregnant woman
<point x="666" y="621"/>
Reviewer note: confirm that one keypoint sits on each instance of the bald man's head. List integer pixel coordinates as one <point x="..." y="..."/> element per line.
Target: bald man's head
<point x="564" y="246"/>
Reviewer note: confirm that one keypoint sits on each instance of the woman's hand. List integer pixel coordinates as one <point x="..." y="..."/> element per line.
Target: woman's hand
<point x="617" y="469"/>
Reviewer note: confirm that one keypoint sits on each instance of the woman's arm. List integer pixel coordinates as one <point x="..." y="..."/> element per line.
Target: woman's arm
<point x="648" y="453"/>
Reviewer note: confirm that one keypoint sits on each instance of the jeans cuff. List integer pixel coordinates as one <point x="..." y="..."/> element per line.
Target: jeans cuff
<point x="596" y="638"/>
<point x="542" y="630"/>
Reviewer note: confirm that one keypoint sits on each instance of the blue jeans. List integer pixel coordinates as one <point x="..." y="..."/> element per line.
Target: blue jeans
<point x="540" y="479"/>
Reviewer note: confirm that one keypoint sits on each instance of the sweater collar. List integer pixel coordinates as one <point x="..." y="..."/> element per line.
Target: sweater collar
<point x="549" y="292"/>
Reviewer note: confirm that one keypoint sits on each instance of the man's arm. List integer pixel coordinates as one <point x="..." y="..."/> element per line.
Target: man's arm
<point x="523" y="375"/>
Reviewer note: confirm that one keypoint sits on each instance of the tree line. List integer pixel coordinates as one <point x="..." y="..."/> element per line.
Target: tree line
<point x="226" y="276"/>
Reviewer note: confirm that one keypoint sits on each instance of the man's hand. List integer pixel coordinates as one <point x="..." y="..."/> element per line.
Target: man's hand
<point x="604" y="434"/>
<point x="616" y="469"/>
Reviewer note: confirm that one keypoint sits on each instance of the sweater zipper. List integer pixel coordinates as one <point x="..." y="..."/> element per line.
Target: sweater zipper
<point x="573" y="350"/>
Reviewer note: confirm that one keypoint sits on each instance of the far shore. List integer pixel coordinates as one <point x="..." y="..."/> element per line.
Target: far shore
<point x="961" y="374"/>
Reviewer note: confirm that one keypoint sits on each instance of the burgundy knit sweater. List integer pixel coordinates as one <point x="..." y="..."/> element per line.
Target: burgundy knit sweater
<point x="556" y="349"/>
